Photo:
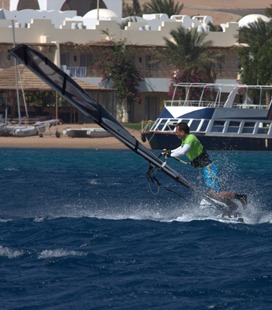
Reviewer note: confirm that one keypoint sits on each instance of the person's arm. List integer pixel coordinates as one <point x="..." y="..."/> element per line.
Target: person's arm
<point x="180" y="150"/>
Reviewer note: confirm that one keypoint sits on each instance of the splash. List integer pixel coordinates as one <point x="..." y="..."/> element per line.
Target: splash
<point x="186" y="212"/>
<point x="162" y="209"/>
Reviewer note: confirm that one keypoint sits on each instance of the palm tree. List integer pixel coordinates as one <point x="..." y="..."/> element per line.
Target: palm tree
<point x="268" y="11"/>
<point x="168" y="7"/>
<point x="136" y="7"/>
<point x="255" y="56"/>
<point x="192" y="57"/>
<point x="129" y="10"/>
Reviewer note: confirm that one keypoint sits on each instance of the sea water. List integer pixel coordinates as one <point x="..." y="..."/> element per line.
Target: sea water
<point x="83" y="229"/>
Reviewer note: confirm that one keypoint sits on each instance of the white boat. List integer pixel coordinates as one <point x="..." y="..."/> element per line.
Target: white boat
<point x="21" y="130"/>
<point x="86" y="133"/>
<point x="36" y="129"/>
<point x="9" y="130"/>
<point x="222" y="116"/>
<point x="26" y="131"/>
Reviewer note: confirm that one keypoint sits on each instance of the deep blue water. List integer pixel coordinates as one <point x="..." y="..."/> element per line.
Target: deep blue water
<point x="80" y="229"/>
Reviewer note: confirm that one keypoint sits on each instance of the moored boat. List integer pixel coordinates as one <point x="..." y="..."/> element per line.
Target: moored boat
<point x="86" y="133"/>
<point x="38" y="128"/>
<point x="222" y="116"/>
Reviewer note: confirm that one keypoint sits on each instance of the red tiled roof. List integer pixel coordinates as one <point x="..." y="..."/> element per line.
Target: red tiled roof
<point x="29" y="81"/>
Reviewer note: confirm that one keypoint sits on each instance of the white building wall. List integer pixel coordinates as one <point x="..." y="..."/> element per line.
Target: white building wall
<point x="39" y="27"/>
<point x="24" y="17"/>
<point x="48" y="5"/>
<point x="71" y="29"/>
<point x="115" y="6"/>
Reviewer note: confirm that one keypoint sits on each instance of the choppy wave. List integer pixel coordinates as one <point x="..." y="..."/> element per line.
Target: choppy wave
<point x="80" y="229"/>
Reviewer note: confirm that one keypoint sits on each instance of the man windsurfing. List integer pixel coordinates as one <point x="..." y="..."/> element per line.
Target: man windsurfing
<point x="200" y="160"/>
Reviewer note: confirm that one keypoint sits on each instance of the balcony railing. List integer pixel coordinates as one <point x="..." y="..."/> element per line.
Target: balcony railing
<point x="77" y="71"/>
<point x="146" y="73"/>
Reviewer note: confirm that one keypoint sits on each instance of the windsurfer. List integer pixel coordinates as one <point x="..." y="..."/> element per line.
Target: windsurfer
<point x="199" y="159"/>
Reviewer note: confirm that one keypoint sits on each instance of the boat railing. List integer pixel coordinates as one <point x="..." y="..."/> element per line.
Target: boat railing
<point x="221" y="95"/>
<point x="216" y="127"/>
<point x="194" y="103"/>
<point x="146" y="125"/>
<point x="210" y="104"/>
<point x="251" y="106"/>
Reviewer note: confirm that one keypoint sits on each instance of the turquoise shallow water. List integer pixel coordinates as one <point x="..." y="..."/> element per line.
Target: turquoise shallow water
<point x="81" y="230"/>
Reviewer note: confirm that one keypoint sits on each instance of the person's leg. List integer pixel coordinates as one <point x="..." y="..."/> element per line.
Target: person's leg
<point x="210" y="176"/>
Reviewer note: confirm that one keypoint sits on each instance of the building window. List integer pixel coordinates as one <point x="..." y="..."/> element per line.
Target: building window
<point x="64" y="59"/>
<point x="151" y="107"/>
<point x="85" y="60"/>
<point x="151" y="62"/>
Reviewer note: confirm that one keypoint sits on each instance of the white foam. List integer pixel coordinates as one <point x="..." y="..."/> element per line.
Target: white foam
<point x="59" y="253"/>
<point x="5" y="220"/>
<point x="187" y="212"/>
<point x="10" y="253"/>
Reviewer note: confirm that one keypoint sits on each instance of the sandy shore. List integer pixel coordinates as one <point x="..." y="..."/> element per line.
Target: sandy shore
<point x="49" y="140"/>
<point x="221" y="11"/>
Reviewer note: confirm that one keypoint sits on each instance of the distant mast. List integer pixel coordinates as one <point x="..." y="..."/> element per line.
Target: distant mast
<point x="16" y="75"/>
<point x="97" y="9"/>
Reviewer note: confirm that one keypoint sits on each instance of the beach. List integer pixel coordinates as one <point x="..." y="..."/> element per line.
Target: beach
<point x="221" y="12"/>
<point x="49" y="140"/>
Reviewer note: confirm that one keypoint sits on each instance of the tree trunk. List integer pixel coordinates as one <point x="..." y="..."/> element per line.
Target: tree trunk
<point x="122" y="111"/>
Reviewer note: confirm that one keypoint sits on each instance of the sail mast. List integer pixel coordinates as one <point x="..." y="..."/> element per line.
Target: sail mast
<point x="16" y="76"/>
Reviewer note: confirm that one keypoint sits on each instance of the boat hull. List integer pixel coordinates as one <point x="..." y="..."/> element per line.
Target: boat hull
<point x="163" y="140"/>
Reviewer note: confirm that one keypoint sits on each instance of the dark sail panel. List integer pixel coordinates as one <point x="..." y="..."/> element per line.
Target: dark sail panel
<point x="72" y="92"/>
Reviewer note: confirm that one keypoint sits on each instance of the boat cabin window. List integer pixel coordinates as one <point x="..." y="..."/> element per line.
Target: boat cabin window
<point x="194" y="125"/>
<point x="263" y="128"/>
<point x="233" y="127"/>
<point x="172" y="124"/>
<point x="172" y="127"/>
<point x="248" y="127"/>
<point x="204" y="125"/>
<point x="161" y="124"/>
<point x="218" y="126"/>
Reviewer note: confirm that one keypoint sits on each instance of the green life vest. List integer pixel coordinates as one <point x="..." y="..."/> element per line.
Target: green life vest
<point x="197" y="155"/>
<point x="196" y="147"/>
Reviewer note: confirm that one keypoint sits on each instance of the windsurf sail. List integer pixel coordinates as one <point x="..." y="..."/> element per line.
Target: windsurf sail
<point x="78" y="97"/>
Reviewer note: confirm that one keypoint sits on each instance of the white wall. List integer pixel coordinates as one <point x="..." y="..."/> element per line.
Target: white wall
<point x="115" y="6"/>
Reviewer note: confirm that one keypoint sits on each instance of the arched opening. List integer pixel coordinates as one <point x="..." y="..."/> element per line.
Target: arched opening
<point x="28" y="4"/>
<point x="82" y="7"/>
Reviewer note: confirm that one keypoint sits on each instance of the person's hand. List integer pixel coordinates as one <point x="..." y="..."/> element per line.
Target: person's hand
<point x="166" y="152"/>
